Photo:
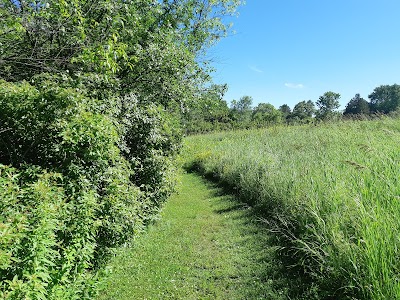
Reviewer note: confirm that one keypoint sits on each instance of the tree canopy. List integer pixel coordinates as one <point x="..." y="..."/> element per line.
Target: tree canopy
<point x="303" y="111"/>
<point x="266" y="114"/>
<point x="356" y="106"/>
<point x="385" y="98"/>
<point x="327" y="104"/>
<point x="285" y="109"/>
<point x="150" y="47"/>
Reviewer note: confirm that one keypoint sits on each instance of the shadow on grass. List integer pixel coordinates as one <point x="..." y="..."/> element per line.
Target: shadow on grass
<point x="274" y="271"/>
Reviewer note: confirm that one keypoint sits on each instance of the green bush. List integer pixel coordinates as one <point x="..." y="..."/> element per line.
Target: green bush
<point x="84" y="179"/>
<point x="151" y="139"/>
<point x="30" y="217"/>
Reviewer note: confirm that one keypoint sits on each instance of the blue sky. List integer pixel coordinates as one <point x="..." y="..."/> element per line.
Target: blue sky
<point x="286" y="51"/>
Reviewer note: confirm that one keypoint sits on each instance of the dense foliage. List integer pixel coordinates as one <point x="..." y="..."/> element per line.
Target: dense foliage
<point x="91" y="99"/>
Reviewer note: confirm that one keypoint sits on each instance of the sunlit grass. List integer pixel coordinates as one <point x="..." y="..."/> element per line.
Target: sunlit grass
<point x="331" y="192"/>
<point x="205" y="246"/>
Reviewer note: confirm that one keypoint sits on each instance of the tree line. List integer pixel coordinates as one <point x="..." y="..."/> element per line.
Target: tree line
<point x="213" y="112"/>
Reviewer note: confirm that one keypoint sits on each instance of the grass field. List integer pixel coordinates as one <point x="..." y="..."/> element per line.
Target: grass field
<point x="330" y="194"/>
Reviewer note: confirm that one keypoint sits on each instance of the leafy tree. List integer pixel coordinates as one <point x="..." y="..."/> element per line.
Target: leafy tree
<point x="385" y="98"/>
<point x="303" y="111"/>
<point x="241" y="110"/>
<point x="266" y="114"/>
<point x="285" y="109"/>
<point x="243" y="105"/>
<point x="357" y="106"/>
<point x="327" y="104"/>
<point x="214" y="106"/>
<point x="54" y="36"/>
<point x="211" y="112"/>
<point x="152" y="48"/>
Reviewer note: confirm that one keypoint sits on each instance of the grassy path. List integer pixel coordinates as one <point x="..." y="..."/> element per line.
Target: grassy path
<point x="206" y="246"/>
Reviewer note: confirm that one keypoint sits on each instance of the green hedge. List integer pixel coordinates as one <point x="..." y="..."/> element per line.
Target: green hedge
<point x="79" y="176"/>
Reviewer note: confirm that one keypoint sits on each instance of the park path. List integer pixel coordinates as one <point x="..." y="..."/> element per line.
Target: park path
<point x="206" y="245"/>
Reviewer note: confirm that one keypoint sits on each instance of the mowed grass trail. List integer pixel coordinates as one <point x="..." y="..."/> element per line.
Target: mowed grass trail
<point x="205" y="246"/>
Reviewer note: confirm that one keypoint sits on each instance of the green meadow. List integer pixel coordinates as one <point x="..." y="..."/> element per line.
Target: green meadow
<point x="329" y="193"/>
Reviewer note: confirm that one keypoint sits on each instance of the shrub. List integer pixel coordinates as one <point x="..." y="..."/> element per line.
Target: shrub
<point x="83" y="180"/>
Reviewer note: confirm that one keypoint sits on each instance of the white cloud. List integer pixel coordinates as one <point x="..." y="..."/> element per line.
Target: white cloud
<point x="255" y="69"/>
<point x="294" y="85"/>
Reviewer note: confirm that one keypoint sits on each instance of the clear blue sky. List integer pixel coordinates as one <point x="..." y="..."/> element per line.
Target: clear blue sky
<point x="286" y="51"/>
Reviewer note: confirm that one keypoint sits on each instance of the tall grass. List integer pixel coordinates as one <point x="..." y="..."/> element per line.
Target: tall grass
<point x="331" y="193"/>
